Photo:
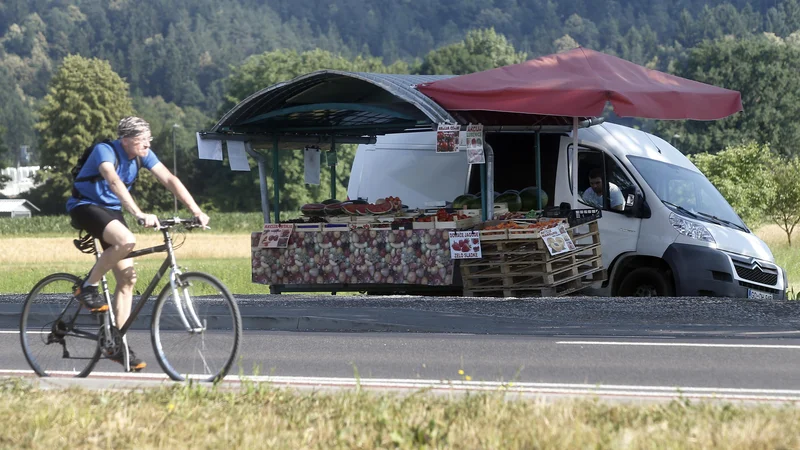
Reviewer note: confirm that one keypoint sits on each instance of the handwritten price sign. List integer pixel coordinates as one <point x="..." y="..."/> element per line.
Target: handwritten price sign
<point x="465" y="245"/>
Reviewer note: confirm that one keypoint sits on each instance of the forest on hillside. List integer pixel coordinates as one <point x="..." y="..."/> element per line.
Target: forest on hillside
<point x="183" y="50"/>
<point x="186" y="62"/>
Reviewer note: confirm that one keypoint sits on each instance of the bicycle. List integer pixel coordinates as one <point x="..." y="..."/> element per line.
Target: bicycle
<point x="191" y="312"/>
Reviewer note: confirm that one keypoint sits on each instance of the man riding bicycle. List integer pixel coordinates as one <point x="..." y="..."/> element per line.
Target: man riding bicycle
<point x="100" y="192"/>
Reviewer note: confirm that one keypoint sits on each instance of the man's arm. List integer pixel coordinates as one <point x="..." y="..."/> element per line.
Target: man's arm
<point x="121" y="191"/>
<point x="174" y="185"/>
<point x="615" y="195"/>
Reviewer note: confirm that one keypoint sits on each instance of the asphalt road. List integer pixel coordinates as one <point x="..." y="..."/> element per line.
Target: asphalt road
<point x="735" y="347"/>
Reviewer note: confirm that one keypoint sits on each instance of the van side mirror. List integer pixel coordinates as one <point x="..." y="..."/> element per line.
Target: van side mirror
<point x="636" y="206"/>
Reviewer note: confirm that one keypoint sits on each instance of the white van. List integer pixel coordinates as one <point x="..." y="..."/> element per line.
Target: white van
<point x="674" y="234"/>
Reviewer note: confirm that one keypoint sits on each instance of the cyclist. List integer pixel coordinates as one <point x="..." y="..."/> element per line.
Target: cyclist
<point x="100" y="192"/>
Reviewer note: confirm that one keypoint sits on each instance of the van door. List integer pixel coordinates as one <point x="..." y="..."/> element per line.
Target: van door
<point x="603" y="183"/>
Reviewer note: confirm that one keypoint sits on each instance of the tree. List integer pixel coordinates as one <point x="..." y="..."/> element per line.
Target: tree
<point x="764" y="70"/>
<point x="15" y="115"/>
<point x="743" y="175"/>
<point x="85" y="101"/>
<point x="150" y="195"/>
<point x="784" y="206"/>
<point x="565" y="43"/>
<point x="480" y="50"/>
<point x="3" y="152"/>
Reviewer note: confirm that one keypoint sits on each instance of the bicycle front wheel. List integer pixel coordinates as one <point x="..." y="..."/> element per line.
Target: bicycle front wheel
<point x="58" y="336"/>
<point x="198" y="334"/>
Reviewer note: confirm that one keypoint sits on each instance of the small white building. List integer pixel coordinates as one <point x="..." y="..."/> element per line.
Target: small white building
<point x="16" y="208"/>
<point x="20" y="180"/>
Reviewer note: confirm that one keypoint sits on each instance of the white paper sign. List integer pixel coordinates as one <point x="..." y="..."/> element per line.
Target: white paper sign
<point x="465" y="245"/>
<point x="275" y="235"/>
<point x="557" y="240"/>
<point x="237" y="156"/>
<point x="475" y="144"/>
<point x="209" y="148"/>
<point x="311" y="164"/>
<point x="447" y="138"/>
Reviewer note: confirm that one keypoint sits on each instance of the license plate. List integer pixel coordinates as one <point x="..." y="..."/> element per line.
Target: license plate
<point x="758" y="294"/>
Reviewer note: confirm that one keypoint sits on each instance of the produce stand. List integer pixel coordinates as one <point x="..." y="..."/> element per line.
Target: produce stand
<point x="410" y="251"/>
<point x="516" y="262"/>
<point x="372" y="252"/>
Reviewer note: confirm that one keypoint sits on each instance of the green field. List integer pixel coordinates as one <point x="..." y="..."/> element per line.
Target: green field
<point x="260" y="416"/>
<point x="234" y="273"/>
<point x="20" y="269"/>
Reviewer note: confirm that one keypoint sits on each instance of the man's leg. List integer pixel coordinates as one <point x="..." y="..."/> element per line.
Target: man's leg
<point x="121" y="242"/>
<point x="123" y="297"/>
<point x="125" y="275"/>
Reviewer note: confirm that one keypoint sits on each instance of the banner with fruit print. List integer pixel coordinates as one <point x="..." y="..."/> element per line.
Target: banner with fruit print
<point x="447" y="138"/>
<point x="465" y="245"/>
<point x="275" y="235"/>
<point x="359" y="257"/>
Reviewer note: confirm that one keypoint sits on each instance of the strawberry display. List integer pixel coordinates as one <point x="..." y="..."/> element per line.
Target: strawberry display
<point x="463" y="245"/>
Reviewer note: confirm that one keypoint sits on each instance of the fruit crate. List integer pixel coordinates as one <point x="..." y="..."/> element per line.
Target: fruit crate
<point x="457" y="224"/>
<point x="339" y="219"/>
<point x="308" y="227"/>
<point x="574" y="217"/>
<point x="424" y="225"/>
<point x="335" y="227"/>
<point x="380" y="226"/>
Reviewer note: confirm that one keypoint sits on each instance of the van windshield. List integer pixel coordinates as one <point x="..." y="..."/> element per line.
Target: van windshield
<point x="687" y="192"/>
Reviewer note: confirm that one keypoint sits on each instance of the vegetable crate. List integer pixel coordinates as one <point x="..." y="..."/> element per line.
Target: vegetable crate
<point x="523" y="267"/>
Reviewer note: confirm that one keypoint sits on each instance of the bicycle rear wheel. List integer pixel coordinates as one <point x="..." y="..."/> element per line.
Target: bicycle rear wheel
<point x="208" y="352"/>
<point x="58" y="336"/>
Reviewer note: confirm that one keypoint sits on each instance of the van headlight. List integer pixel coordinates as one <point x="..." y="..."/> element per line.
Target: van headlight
<point x="692" y="229"/>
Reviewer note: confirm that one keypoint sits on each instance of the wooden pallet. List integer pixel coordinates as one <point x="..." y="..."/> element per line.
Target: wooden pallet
<point x="559" y="290"/>
<point x="524" y="267"/>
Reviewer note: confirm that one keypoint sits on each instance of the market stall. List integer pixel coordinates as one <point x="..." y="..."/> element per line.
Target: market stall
<point x="473" y="248"/>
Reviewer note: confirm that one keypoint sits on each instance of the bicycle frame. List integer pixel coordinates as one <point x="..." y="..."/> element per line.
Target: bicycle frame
<point x="180" y="301"/>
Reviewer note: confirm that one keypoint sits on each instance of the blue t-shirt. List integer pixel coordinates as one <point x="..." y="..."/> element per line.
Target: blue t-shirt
<point x="99" y="193"/>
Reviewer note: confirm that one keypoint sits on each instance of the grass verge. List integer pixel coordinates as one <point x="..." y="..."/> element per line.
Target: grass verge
<point x="259" y="416"/>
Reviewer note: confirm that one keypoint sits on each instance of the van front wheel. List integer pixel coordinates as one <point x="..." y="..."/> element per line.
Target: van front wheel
<point x="646" y="282"/>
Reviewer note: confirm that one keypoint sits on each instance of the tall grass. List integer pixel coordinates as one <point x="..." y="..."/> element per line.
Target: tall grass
<point x="260" y="416"/>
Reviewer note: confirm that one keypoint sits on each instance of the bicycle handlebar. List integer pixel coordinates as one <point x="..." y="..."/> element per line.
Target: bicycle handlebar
<point x="194" y="222"/>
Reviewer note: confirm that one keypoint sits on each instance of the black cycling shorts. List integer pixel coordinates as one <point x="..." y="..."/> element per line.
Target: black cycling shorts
<point x="94" y="219"/>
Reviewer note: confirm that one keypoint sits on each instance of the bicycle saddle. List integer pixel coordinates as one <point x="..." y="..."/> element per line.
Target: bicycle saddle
<point x="85" y="241"/>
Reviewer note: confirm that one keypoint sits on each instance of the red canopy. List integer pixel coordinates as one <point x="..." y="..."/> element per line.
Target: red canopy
<point x="578" y="83"/>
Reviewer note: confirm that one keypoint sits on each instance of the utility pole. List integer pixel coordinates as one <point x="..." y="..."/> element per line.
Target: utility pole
<point x="174" y="163"/>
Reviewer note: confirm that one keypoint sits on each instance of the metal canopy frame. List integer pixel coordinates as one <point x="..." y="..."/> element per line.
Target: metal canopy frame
<point x="330" y="107"/>
<point x="327" y="107"/>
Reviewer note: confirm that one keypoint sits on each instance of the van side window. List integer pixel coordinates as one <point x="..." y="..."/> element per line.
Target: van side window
<point x="601" y="182"/>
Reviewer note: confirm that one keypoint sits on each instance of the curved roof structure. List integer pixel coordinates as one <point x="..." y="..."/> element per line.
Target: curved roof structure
<point x="335" y="103"/>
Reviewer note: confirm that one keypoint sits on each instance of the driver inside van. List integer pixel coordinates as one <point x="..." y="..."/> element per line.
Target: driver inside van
<point x="593" y="195"/>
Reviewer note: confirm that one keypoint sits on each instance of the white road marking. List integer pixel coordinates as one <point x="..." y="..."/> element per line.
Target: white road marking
<point x="17" y="332"/>
<point x="632" y="391"/>
<point x="679" y="344"/>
